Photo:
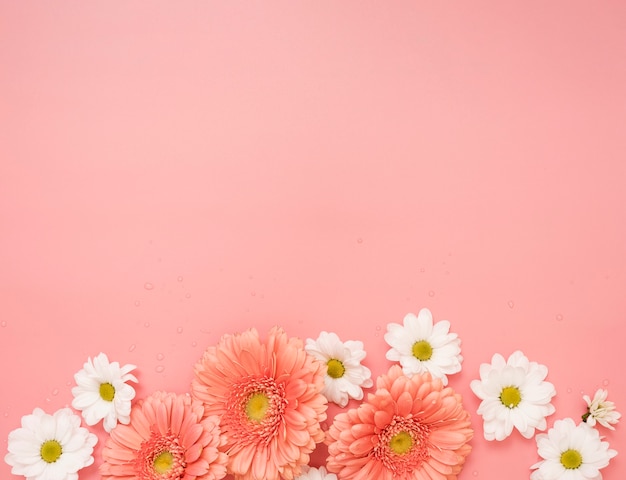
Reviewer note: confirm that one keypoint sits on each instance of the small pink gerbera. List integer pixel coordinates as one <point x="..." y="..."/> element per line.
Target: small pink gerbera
<point x="168" y="438"/>
<point x="268" y="398"/>
<point x="411" y="428"/>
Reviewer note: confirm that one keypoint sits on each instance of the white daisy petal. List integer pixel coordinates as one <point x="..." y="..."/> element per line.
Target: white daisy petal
<point x="310" y="473"/>
<point x="346" y="376"/>
<point x="115" y="405"/>
<point x="601" y="410"/>
<point x="73" y="450"/>
<point x="514" y="395"/>
<point x="570" y="451"/>
<point x="440" y="353"/>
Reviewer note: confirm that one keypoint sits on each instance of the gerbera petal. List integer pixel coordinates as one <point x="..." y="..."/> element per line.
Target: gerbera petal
<point x="268" y="397"/>
<point x="384" y="439"/>
<point x="131" y="449"/>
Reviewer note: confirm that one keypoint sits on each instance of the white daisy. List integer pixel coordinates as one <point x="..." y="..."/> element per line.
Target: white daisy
<point x="571" y="452"/>
<point x="102" y="392"/>
<point x="601" y="410"/>
<point x="345" y="375"/>
<point x="310" y="473"/>
<point x="420" y="346"/>
<point x="50" y="447"/>
<point x="513" y="394"/>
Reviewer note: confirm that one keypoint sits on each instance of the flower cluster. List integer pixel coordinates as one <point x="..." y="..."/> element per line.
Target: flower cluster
<point x="515" y="394"/>
<point x="256" y="409"/>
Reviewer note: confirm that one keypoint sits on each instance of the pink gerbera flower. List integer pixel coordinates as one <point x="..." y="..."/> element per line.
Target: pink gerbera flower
<point x="168" y="438"/>
<point x="267" y="395"/>
<point x="411" y="428"/>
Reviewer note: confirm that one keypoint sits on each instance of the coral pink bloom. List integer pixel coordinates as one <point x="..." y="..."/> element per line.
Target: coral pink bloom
<point x="168" y="438"/>
<point x="411" y="428"/>
<point x="267" y="395"/>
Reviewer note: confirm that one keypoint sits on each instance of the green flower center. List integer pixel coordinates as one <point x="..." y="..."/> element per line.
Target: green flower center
<point x="50" y="451"/>
<point x="335" y="368"/>
<point x="422" y="350"/>
<point x="571" y="459"/>
<point x="257" y="405"/>
<point x="107" y="392"/>
<point x="401" y="443"/>
<point x="510" y="397"/>
<point x="163" y="462"/>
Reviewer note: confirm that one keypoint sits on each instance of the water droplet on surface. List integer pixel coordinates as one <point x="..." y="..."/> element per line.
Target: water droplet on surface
<point x="559" y="318"/>
<point x="194" y="344"/>
<point x="605" y="382"/>
<point x="147" y="324"/>
<point x="48" y="400"/>
<point x="132" y="347"/>
<point x="68" y="383"/>
<point x="475" y="473"/>
<point x="179" y="278"/>
<point x="431" y="293"/>
<point x="159" y="369"/>
<point x="55" y="391"/>
<point x="3" y="323"/>
<point x="510" y="303"/>
<point x="5" y="414"/>
<point x="379" y="328"/>
<point x="137" y="303"/>
<point x="160" y="356"/>
<point x="188" y="295"/>
<point x="253" y="293"/>
<point x="569" y="390"/>
<point x="422" y="270"/>
<point x="148" y="286"/>
<point x="179" y="330"/>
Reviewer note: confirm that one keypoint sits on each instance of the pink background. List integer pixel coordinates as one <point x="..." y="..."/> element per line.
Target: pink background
<point x="174" y="171"/>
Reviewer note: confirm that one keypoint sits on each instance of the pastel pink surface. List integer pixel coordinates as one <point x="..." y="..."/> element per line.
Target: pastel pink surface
<point x="171" y="172"/>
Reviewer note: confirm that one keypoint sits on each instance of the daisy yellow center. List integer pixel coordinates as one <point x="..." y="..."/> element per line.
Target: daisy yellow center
<point x="50" y="451"/>
<point x="422" y="350"/>
<point x="107" y="392"/>
<point x="257" y="405"/>
<point x="163" y="462"/>
<point x="335" y="368"/>
<point x="510" y="397"/>
<point x="401" y="443"/>
<point x="571" y="459"/>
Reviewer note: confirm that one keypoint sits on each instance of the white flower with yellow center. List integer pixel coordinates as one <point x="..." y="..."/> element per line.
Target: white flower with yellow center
<point x="310" y="473"/>
<point x="102" y="392"/>
<point x="345" y="376"/>
<point x="513" y="394"/>
<point x="601" y="410"/>
<point x="50" y="447"/>
<point x="421" y="347"/>
<point x="571" y="452"/>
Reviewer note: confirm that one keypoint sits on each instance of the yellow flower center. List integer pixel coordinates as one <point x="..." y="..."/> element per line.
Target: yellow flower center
<point x="571" y="459"/>
<point x="510" y="397"/>
<point x="163" y="462"/>
<point x="257" y="405"/>
<point x="50" y="451"/>
<point x="422" y="350"/>
<point x="401" y="443"/>
<point x="335" y="368"/>
<point x="107" y="392"/>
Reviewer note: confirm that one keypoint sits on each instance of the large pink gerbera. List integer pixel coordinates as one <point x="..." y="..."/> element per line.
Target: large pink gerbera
<point x="267" y="395"/>
<point x="411" y="428"/>
<point x="168" y="438"/>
